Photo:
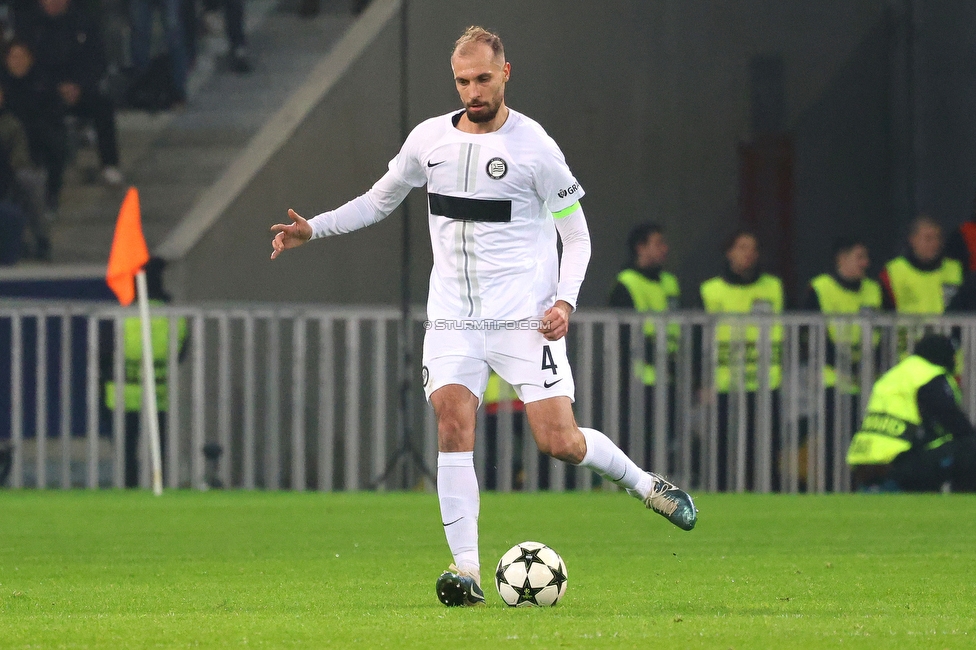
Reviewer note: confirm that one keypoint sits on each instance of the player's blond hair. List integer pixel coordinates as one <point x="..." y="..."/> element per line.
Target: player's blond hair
<point x="475" y="34"/>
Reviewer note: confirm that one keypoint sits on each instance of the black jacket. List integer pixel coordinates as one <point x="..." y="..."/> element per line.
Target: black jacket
<point x="34" y="100"/>
<point x="67" y="48"/>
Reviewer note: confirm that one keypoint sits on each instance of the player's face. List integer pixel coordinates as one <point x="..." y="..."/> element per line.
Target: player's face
<point x="480" y="80"/>
<point x="853" y="264"/>
<point x="926" y="242"/>
<point x="744" y="254"/>
<point x="653" y="251"/>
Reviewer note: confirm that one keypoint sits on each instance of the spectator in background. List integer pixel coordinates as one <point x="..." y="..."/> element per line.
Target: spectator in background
<point x="172" y="86"/>
<point x="68" y="50"/>
<point x="923" y="281"/>
<point x="35" y="102"/>
<point x="15" y="202"/>
<point x="237" y="58"/>
<point x="645" y="287"/>
<point x="12" y="218"/>
<point x="846" y="290"/>
<point x="743" y="288"/>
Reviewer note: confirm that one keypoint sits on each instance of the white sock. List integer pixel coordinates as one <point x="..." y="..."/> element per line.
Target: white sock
<point x="607" y="460"/>
<point x="457" y="491"/>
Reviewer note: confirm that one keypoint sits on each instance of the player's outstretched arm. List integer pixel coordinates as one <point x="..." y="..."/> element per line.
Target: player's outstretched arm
<point x="290" y="235"/>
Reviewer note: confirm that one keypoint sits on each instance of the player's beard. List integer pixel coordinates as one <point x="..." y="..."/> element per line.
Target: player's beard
<point x="485" y="115"/>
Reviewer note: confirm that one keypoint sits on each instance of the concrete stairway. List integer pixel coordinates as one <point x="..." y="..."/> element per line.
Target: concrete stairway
<point x="172" y="157"/>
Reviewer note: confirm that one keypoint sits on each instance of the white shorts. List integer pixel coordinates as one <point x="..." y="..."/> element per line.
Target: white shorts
<point x="536" y="368"/>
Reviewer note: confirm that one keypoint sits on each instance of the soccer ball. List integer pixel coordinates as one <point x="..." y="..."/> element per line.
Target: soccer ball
<point x="531" y="574"/>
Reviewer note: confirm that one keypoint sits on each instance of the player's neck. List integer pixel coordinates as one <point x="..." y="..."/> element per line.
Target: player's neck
<point x="466" y="125"/>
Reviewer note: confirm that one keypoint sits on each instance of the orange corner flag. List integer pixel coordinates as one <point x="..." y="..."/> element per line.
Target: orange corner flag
<point x="129" y="251"/>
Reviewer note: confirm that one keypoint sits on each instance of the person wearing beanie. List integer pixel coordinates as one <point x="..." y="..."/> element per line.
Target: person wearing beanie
<point x="914" y="436"/>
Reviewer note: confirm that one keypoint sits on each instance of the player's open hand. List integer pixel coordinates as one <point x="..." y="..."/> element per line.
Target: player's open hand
<point x="555" y="322"/>
<point x="290" y="235"/>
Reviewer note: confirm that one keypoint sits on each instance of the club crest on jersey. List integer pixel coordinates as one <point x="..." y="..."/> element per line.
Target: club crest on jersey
<point x="496" y="168"/>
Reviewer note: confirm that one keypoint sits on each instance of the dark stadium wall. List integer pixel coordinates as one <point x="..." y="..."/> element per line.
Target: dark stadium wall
<point x="337" y="152"/>
<point x="944" y="108"/>
<point x="892" y="135"/>
<point x="847" y="160"/>
<point x="649" y="102"/>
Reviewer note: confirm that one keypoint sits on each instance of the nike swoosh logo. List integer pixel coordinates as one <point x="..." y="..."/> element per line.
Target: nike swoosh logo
<point x="430" y="164"/>
<point x="453" y="522"/>
<point x="546" y="384"/>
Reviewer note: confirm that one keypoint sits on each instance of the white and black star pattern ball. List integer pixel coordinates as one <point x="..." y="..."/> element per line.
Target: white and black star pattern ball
<point x="531" y="574"/>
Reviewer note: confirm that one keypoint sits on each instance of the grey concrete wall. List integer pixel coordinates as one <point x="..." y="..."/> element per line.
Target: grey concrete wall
<point x="945" y="108"/>
<point x="846" y="160"/>
<point x="892" y="135"/>
<point x="648" y="100"/>
<point x="339" y="150"/>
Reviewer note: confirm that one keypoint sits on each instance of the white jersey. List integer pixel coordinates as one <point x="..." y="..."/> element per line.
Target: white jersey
<point x="490" y="200"/>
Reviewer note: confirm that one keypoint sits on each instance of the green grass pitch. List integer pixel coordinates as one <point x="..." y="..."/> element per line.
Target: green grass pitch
<point x="284" y="570"/>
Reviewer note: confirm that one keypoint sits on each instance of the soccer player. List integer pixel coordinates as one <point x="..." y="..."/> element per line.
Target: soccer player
<point x="498" y="191"/>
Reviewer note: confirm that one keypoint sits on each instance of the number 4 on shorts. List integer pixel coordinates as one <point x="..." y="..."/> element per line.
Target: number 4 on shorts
<point x="547" y="362"/>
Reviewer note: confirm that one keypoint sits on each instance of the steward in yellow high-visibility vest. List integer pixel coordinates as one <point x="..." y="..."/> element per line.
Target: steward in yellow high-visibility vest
<point x="497" y="390"/>
<point x="918" y="288"/>
<point x="763" y="295"/>
<point x="923" y="281"/>
<point x="744" y="289"/>
<point x="845" y="291"/>
<point x="646" y="288"/>
<point x="914" y="435"/>
<point x="132" y="355"/>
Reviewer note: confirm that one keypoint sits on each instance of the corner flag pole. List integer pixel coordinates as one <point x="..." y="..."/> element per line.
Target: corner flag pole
<point x="149" y="406"/>
<point x="126" y="260"/>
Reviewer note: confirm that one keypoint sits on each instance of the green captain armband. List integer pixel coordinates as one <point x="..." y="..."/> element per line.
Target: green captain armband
<point x="568" y="211"/>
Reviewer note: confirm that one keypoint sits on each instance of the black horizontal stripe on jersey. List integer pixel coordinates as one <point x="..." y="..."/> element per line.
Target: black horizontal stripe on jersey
<point x="465" y="209"/>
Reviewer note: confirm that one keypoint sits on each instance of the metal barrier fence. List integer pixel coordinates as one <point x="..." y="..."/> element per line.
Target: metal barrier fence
<point x="299" y="397"/>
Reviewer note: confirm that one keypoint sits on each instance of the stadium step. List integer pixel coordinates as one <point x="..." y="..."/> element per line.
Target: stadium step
<point x="171" y="157"/>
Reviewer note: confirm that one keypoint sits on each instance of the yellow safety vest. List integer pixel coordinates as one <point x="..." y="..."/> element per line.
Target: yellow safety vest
<point x="923" y="292"/>
<point x="834" y="298"/>
<point x="132" y="353"/>
<point x="651" y="296"/>
<point x="765" y="295"/>
<point x="891" y="419"/>
<point x="499" y="390"/>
